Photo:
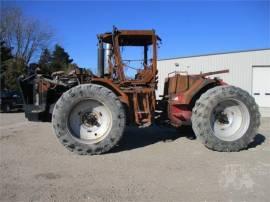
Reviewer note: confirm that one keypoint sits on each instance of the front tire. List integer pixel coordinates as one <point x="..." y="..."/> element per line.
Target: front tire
<point x="225" y="118"/>
<point x="88" y="119"/>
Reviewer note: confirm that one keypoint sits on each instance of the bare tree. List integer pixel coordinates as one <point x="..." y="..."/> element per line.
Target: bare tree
<point x="24" y="35"/>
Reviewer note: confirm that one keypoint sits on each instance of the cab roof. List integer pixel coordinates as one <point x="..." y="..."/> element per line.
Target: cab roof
<point x="131" y="37"/>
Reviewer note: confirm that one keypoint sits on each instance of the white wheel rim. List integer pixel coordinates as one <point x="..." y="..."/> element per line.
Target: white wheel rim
<point x="90" y="121"/>
<point x="230" y="120"/>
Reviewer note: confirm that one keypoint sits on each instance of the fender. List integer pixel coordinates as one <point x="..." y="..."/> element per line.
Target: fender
<point x="110" y="85"/>
<point x="195" y="90"/>
<point x="180" y="104"/>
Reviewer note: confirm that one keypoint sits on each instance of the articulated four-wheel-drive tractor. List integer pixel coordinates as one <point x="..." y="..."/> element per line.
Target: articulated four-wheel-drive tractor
<point x="89" y="112"/>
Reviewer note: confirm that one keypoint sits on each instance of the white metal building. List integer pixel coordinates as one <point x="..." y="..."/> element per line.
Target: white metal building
<point x="249" y="70"/>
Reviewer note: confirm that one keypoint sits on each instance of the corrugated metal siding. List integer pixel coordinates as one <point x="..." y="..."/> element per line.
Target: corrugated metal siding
<point x="240" y="66"/>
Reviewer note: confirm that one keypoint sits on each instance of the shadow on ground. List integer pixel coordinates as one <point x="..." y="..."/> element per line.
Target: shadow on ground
<point x="258" y="140"/>
<point x="134" y="137"/>
<point x="140" y="137"/>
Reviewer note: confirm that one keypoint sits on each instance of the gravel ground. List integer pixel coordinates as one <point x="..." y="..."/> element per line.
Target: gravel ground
<point x="153" y="164"/>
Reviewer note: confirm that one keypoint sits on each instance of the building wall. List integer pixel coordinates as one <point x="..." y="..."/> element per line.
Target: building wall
<point x="239" y="63"/>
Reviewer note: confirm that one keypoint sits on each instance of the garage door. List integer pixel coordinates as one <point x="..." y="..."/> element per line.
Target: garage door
<point x="261" y="85"/>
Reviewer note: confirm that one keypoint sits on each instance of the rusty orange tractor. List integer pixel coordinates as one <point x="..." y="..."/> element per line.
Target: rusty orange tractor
<point x="89" y="112"/>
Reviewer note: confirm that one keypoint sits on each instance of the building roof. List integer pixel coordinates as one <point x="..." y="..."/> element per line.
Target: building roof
<point x="218" y="53"/>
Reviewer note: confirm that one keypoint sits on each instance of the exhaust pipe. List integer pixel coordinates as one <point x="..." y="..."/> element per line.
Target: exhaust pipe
<point x="100" y="59"/>
<point x="108" y="54"/>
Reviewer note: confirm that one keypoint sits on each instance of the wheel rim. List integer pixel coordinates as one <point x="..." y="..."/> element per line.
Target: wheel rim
<point x="230" y="120"/>
<point x="90" y="121"/>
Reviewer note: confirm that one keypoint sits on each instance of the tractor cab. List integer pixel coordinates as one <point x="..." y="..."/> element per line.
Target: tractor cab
<point x="116" y="54"/>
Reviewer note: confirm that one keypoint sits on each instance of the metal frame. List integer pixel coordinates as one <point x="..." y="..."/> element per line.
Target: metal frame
<point x="137" y="95"/>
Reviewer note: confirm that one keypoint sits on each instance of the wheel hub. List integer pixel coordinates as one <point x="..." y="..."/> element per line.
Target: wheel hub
<point x="230" y="120"/>
<point x="222" y="118"/>
<point x="90" y="121"/>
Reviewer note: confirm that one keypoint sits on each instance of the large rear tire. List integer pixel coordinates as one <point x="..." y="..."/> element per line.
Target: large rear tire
<point x="225" y="118"/>
<point x="88" y="119"/>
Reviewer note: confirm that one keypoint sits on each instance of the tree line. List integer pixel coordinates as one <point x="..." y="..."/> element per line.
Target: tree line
<point x="23" y="40"/>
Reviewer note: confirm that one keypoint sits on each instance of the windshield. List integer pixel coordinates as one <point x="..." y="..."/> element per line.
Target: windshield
<point x="135" y="60"/>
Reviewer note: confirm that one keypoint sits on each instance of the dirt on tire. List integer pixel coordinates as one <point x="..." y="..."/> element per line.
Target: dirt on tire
<point x="64" y="106"/>
<point x="201" y="115"/>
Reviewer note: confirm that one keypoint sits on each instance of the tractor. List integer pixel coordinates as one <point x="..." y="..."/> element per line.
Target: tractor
<point x="89" y="112"/>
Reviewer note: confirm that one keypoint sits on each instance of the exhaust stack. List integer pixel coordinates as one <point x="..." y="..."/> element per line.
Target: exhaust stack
<point x="100" y="59"/>
<point x="108" y="54"/>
